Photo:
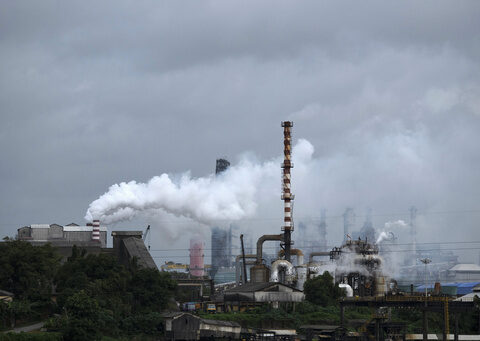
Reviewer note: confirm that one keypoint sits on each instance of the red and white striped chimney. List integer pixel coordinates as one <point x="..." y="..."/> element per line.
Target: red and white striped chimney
<point x="287" y="195"/>
<point x="96" y="230"/>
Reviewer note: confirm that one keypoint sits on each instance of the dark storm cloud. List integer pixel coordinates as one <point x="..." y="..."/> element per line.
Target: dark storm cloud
<point x="92" y="94"/>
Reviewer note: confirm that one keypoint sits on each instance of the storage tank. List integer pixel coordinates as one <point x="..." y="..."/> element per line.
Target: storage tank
<point x="381" y="286"/>
<point x="196" y="258"/>
<point x="259" y="274"/>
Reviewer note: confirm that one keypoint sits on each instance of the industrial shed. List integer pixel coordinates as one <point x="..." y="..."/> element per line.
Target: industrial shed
<point x="184" y="326"/>
<point x="253" y="294"/>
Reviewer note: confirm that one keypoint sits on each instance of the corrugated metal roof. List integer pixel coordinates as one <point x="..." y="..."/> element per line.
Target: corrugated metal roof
<point x="69" y="228"/>
<point x="82" y="228"/>
<point x="466" y="268"/>
<point x="252" y="287"/>
<point x="221" y="323"/>
<point x="40" y="226"/>
<point x="463" y="288"/>
<point x="468" y="297"/>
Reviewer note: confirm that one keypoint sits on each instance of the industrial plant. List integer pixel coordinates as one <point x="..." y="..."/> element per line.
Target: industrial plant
<point x="365" y="265"/>
<point x="241" y="276"/>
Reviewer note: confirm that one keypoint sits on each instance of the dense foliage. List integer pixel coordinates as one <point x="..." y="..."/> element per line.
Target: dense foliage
<point x="95" y="295"/>
<point x="27" y="270"/>
<point x="322" y="290"/>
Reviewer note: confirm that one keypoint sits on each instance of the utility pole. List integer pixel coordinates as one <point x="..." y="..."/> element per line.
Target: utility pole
<point x="425" y="261"/>
<point x="425" y="321"/>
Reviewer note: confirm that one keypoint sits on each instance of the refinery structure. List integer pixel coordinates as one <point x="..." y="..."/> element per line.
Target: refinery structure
<point x="238" y="274"/>
<point x="366" y="262"/>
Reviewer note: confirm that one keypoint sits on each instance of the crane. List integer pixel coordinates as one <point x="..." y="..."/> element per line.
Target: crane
<point x="145" y="234"/>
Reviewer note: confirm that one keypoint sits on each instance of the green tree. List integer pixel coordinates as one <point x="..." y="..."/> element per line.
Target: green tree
<point x="322" y="290"/>
<point x="83" y="318"/>
<point x="27" y="270"/>
<point x="151" y="290"/>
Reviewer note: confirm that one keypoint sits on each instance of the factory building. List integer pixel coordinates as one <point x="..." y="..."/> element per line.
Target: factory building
<point x="127" y="245"/>
<point x="62" y="235"/>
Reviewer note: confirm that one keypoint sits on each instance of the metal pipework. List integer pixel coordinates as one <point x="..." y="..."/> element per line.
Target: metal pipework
<point x="237" y="266"/>
<point x="261" y="240"/>
<point x="293" y="252"/>
<point x="313" y="254"/>
<point x="287" y="196"/>
<point x="285" y="265"/>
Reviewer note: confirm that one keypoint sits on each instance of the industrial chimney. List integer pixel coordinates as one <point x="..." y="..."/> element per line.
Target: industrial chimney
<point x="96" y="230"/>
<point x="287" y="196"/>
<point x="196" y="257"/>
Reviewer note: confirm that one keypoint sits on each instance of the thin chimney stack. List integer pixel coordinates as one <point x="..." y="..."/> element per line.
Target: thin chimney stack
<point x="96" y="230"/>
<point x="287" y="196"/>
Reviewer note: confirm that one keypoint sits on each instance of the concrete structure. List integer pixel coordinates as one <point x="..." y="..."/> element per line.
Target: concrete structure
<point x="196" y="258"/>
<point x="64" y="235"/>
<point x="128" y="245"/>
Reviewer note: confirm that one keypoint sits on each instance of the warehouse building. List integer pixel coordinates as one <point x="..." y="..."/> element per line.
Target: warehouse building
<point x="127" y="245"/>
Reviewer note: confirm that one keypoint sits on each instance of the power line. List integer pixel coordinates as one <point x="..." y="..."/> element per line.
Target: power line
<point x="350" y="252"/>
<point x="329" y="247"/>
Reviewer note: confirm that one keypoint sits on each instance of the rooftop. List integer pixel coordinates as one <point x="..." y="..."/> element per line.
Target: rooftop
<point x="466" y="268"/>
<point x="267" y="286"/>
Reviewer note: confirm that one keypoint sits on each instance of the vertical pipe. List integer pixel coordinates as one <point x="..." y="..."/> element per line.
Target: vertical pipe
<point x="244" y="277"/>
<point x="287" y="196"/>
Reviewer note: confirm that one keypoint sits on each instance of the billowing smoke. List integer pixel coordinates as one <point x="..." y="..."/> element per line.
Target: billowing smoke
<point x="231" y="195"/>
<point x="390" y="226"/>
<point x="383" y="235"/>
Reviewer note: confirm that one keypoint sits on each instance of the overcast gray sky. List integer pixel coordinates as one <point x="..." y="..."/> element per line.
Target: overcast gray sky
<point x="388" y="93"/>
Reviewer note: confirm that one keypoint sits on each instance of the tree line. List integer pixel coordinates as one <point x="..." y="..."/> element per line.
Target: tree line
<point x="85" y="298"/>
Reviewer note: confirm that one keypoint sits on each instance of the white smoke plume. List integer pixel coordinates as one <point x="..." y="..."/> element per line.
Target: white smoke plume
<point x="390" y="226"/>
<point x="231" y="195"/>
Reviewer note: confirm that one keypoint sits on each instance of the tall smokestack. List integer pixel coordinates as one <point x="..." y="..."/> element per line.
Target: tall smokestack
<point x="96" y="230"/>
<point x="287" y="196"/>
